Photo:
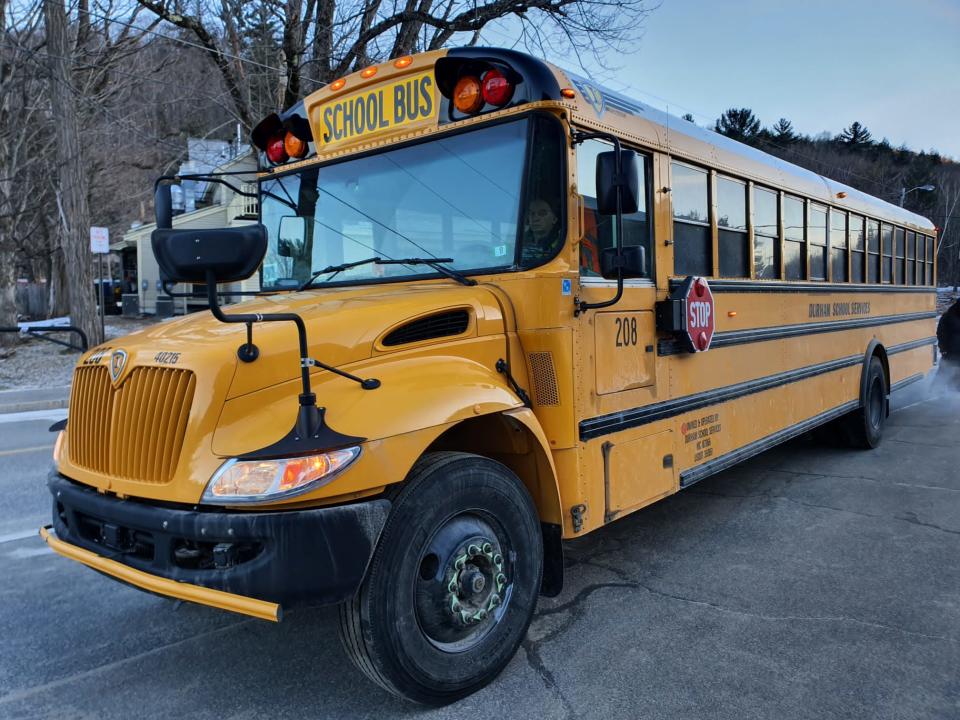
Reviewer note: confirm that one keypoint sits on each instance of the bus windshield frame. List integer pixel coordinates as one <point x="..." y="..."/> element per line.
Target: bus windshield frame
<point x="491" y="198"/>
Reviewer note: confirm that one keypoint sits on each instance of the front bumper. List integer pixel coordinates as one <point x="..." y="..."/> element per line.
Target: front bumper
<point x="222" y="558"/>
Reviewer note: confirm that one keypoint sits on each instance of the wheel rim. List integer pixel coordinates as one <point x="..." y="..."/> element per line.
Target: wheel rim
<point x="875" y="404"/>
<point x="464" y="582"/>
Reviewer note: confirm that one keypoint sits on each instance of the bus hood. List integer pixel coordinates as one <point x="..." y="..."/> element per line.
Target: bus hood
<point x="345" y="326"/>
<point x="145" y="408"/>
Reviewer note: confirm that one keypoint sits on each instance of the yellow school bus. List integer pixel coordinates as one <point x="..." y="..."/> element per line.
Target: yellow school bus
<point x="501" y="307"/>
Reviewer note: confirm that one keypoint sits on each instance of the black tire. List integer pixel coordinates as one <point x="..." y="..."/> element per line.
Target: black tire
<point x="863" y="428"/>
<point x="462" y="530"/>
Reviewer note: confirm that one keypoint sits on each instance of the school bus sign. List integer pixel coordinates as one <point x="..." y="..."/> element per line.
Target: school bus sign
<point x="407" y="102"/>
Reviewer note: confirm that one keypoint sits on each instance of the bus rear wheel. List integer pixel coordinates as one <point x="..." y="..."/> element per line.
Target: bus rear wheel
<point x="864" y="427"/>
<point x="453" y="584"/>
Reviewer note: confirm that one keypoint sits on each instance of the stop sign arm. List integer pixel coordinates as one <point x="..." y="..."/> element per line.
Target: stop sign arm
<point x="688" y="314"/>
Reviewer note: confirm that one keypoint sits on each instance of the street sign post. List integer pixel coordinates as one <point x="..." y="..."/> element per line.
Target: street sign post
<point x="100" y="246"/>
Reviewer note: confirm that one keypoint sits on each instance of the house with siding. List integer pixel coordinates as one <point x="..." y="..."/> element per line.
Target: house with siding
<point x="202" y="205"/>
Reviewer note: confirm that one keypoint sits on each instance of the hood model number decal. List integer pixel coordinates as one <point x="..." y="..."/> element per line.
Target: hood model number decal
<point x="167" y="358"/>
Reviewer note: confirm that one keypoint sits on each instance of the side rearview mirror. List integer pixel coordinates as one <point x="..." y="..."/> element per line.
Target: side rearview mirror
<point x="633" y="261"/>
<point x="163" y="207"/>
<point x="232" y="254"/>
<point x="608" y="187"/>
<point x="292" y="236"/>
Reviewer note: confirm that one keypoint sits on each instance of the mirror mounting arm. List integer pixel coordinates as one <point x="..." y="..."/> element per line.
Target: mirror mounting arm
<point x="578" y="136"/>
<point x="310" y="429"/>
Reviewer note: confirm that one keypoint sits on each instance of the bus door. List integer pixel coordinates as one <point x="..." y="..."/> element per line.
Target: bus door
<point x="621" y="340"/>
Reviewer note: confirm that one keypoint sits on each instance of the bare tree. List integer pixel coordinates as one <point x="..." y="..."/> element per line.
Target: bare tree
<point x="22" y="125"/>
<point x="71" y="195"/>
<point x="318" y="40"/>
<point x="947" y="181"/>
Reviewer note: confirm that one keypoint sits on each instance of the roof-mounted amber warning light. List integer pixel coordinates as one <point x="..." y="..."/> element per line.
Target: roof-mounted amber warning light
<point x="403" y="62"/>
<point x="368" y="72"/>
<point x="337" y="84"/>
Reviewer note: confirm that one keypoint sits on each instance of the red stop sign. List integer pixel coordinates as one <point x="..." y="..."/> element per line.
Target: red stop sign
<point x="700" y="314"/>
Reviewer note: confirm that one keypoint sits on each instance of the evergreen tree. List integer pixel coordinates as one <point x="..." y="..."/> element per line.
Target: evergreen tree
<point x="783" y="132"/>
<point x="855" y="136"/>
<point x="688" y="117"/>
<point x="738" y="123"/>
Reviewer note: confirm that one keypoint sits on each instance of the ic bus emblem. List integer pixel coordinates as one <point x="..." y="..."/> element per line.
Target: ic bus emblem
<point x="118" y="361"/>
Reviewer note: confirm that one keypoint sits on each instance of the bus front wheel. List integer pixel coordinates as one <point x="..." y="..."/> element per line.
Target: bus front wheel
<point x="863" y="428"/>
<point x="453" y="584"/>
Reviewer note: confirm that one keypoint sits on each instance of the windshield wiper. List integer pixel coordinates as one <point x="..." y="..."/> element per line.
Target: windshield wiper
<point x="435" y="263"/>
<point x="337" y="269"/>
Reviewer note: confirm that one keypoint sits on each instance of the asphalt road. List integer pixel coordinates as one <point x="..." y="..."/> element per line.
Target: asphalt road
<point x="810" y="582"/>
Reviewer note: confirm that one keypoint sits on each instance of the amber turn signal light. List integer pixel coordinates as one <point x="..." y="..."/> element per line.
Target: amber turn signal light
<point x="295" y="147"/>
<point x="467" y="95"/>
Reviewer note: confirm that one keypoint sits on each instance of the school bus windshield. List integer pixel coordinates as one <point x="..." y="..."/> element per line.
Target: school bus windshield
<point x="455" y="197"/>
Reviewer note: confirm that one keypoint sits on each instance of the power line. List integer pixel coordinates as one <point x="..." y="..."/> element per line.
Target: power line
<point x="182" y="41"/>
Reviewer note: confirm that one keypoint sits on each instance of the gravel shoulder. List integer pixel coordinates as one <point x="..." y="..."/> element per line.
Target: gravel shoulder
<point x="35" y="363"/>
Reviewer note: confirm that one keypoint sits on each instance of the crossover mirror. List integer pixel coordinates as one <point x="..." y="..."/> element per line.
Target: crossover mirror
<point x="231" y="254"/>
<point x="608" y="188"/>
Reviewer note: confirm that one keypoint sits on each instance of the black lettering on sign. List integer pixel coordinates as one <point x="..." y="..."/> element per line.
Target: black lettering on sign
<point x="327" y="124"/>
<point x="699" y="431"/>
<point x="838" y="309"/>
<point x="407" y="101"/>
<point x="626" y="331"/>
<point x="426" y="108"/>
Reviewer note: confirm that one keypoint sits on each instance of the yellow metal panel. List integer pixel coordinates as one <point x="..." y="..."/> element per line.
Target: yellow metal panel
<point x="637" y="472"/>
<point x="554" y="417"/>
<point x="624" y="351"/>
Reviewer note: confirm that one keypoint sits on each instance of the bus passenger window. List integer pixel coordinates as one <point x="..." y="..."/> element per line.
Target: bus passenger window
<point x="887" y="235"/>
<point x="766" y="234"/>
<point x="692" y="242"/>
<point x="817" y="242"/>
<point x="873" y="251"/>
<point x="732" y="222"/>
<point x="856" y="249"/>
<point x="898" y="262"/>
<point x="911" y="277"/>
<point x="930" y="246"/>
<point x="793" y="238"/>
<point x="838" y="245"/>
<point x="599" y="230"/>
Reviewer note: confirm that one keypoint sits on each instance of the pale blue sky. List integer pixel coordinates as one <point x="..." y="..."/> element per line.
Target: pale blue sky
<point x="893" y="65"/>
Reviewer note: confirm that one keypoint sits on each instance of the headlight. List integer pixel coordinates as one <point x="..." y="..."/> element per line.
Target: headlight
<point x="250" y="481"/>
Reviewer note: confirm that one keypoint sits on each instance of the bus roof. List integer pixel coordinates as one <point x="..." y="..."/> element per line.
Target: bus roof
<point x="685" y="140"/>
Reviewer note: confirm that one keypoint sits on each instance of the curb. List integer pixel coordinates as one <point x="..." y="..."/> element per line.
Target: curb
<point x="33" y="405"/>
